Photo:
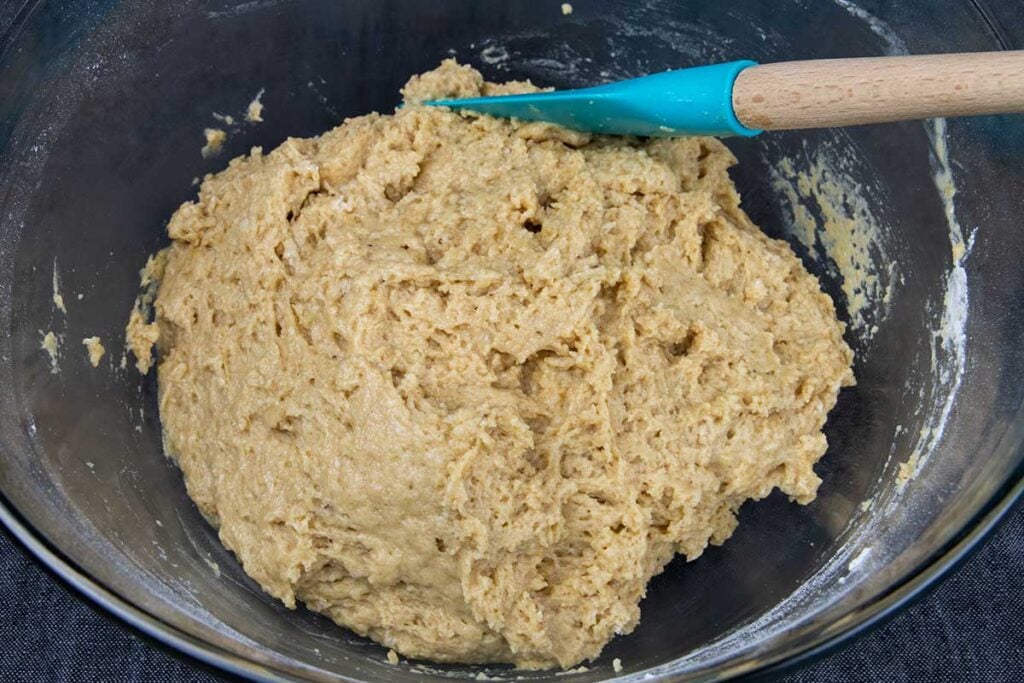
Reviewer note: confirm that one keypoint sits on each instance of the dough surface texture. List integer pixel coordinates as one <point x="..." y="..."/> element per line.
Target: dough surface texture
<point x="465" y="384"/>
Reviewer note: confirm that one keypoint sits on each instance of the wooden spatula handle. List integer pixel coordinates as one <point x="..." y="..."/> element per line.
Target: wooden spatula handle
<point x="848" y="92"/>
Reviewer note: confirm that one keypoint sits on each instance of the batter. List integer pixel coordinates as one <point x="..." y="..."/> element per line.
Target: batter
<point x="465" y="385"/>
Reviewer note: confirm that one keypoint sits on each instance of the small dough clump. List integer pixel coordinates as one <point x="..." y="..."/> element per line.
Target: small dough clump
<point x="465" y="384"/>
<point x="254" y="112"/>
<point x="215" y="138"/>
<point x="95" y="350"/>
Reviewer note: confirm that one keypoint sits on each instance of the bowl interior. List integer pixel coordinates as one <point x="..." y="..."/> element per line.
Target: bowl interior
<point x="911" y="228"/>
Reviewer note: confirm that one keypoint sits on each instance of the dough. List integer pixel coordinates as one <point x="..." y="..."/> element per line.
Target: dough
<point x="95" y="350"/>
<point x="464" y="384"/>
<point x="215" y="138"/>
<point x="254" y="112"/>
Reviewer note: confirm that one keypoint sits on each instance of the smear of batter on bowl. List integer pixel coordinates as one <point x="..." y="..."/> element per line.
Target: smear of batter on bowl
<point x="94" y="349"/>
<point x="465" y="384"/>
<point x="847" y="232"/>
<point x="51" y="345"/>
<point x="58" y="298"/>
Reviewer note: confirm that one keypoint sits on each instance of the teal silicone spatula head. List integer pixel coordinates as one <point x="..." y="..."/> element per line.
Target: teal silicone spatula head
<point x="696" y="101"/>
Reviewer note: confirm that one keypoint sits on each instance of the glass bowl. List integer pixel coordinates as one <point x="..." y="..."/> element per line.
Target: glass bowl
<point x="914" y="228"/>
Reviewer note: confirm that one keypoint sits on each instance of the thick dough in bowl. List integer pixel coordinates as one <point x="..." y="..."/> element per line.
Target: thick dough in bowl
<point x="465" y="384"/>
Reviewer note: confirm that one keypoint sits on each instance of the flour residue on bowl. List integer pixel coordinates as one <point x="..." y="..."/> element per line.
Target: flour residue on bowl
<point x="949" y="334"/>
<point x="214" y="567"/>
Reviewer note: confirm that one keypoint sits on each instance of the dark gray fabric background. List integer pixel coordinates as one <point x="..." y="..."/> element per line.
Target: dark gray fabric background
<point x="970" y="628"/>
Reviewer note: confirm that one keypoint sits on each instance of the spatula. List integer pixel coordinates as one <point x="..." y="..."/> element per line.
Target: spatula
<point x="744" y="98"/>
